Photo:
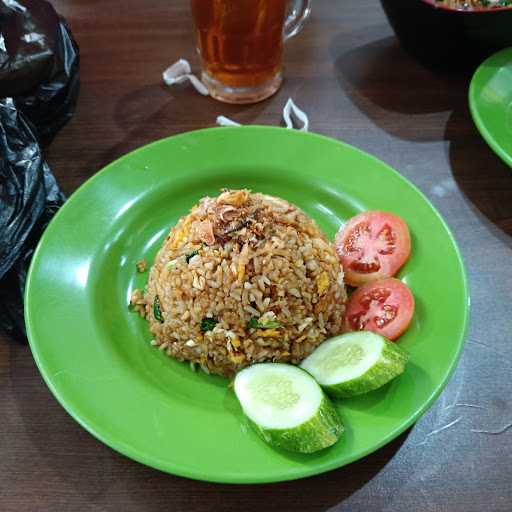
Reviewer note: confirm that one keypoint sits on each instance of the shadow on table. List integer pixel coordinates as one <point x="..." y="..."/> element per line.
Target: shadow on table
<point x="390" y="99"/>
<point x="155" y="111"/>
<point x="79" y="465"/>
<point x="481" y="175"/>
<point x="390" y="87"/>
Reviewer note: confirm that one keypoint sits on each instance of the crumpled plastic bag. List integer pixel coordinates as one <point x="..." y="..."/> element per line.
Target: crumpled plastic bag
<point x="39" y="62"/>
<point x="29" y="197"/>
<point x="39" y="85"/>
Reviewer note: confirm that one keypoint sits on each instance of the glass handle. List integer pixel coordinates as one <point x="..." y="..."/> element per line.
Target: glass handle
<point x="297" y="14"/>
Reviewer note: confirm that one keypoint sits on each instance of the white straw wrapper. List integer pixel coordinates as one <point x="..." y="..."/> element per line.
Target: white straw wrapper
<point x="291" y="111"/>
<point x="291" y="114"/>
<point x="180" y="72"/>
<point x="225" y="121"/>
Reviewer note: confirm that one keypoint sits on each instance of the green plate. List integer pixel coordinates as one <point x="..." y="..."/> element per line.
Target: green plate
<point x="490" y="101"/>
<point x="95" y="355"/>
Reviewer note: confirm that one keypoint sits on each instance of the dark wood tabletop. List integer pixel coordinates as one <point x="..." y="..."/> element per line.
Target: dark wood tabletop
<point x="347" y="70"/>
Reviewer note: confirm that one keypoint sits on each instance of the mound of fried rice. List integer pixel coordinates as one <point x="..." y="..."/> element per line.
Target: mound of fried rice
<point x="243" y="278"/>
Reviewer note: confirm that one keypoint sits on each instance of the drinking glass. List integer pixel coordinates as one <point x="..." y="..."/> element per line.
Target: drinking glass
<point x="240" y="43"/>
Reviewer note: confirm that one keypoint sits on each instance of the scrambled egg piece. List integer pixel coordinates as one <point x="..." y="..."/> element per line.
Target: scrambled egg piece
<point x="237" y="357"/>
<point x="180" y="234"/>
<point x="267" y="333"/>
<point x="241" y="272"/>
<point x="322" y="283"/>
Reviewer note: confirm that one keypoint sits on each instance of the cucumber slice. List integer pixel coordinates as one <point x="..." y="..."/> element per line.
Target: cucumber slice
<point x="355" y="363"/>
<point x="287" y="408"/>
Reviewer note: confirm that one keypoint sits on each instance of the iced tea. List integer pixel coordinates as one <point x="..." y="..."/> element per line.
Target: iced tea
<point x="240" y="41"/>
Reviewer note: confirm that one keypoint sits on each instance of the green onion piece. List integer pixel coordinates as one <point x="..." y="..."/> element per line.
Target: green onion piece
<point x="271" y="324"/>
<point x="156" y="309"/>
<point x="252" y="323"/>
<point x="190" y="255"/>
<point x="207" y="324"/>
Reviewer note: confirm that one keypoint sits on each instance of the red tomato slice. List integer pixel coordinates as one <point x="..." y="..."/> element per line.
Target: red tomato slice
<point x="385" y="307"/>
<point x="372" y="245"/>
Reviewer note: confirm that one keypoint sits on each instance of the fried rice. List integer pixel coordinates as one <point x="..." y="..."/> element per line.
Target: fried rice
<point x="243" y="278"/>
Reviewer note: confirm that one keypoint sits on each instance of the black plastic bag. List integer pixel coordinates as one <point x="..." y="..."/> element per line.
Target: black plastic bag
<point x="29" y="196"/>
<point x="39" y="65"/>
<point x="39" y="84"/>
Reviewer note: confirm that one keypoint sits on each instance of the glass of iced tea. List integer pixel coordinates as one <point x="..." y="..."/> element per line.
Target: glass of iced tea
<point x="240" y="43"/>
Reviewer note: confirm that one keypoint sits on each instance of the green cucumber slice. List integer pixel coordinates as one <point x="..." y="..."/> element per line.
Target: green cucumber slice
<point x="355" y="363"/>
<point x="287" y="408"/>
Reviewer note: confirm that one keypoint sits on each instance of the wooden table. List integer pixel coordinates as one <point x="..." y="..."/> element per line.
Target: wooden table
<point x="349" y="73"/>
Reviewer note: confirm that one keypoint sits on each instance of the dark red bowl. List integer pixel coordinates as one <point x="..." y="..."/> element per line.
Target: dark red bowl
<point x="450" y="38"/>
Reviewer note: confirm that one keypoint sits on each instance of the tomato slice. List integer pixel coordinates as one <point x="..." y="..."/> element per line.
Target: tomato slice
<point x="385" y="307"/>
<point x="372" y="245"/>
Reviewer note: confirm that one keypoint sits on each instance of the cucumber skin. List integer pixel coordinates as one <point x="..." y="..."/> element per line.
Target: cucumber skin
<point x="382" y="373"/>
<point x="317" y="433"/>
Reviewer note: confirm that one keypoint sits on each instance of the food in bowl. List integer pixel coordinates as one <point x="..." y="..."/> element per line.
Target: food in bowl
<point x="243" y="278"/>
<point x="471" y="4"/>
<point x="451" y="34"/>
